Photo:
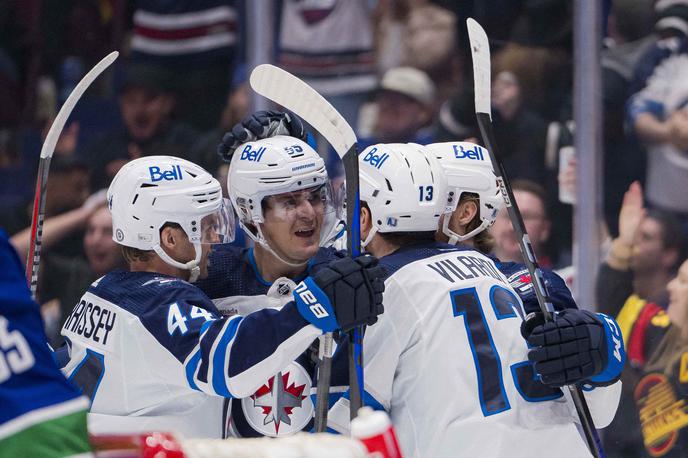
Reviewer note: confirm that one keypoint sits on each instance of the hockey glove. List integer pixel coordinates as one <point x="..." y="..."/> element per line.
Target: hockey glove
<point x="260" y="125"/>
<point x="577" y="347"/>
<point x="344" y="294"/>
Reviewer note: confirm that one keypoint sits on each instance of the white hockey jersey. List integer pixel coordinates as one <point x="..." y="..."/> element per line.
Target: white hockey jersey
<point x="153" y="353"/>
<point x="448" y="363"/>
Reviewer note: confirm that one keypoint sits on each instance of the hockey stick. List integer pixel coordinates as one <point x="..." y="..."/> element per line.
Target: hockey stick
<point x="480" y="53"/>
<point x="38" y="213"/>
<point x="293" y="94"/>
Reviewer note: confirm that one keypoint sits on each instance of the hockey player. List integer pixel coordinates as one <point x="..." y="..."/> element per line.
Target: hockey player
<point x="151" y="350"/>
<point x="41" y="414"/>
<point x="474" y="202"/>
<point x="447" y="360"/>
<point x="280" y="189"/>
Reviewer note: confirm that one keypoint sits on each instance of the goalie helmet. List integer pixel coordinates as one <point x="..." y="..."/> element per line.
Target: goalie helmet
<point x="279" y="165"/>
<point x="468" y="168"/>
<point x="151" y="191"/>
<point x="404" y="188"/>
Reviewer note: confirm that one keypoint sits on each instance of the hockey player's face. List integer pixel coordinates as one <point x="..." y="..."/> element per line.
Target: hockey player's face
<point x="293" y="222"/>
<point x="678" y="297"/>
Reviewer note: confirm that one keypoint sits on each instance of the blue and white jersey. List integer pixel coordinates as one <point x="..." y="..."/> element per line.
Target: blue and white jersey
<point x="32" y="389"/>
<point x="448" y="362"/>
<point x="153" y="352"/>
<point x="282" y="405"/>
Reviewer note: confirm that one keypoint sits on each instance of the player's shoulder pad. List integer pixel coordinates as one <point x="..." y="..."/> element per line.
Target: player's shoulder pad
<point x="519" y="278"/>
<point x="141" y="292"/>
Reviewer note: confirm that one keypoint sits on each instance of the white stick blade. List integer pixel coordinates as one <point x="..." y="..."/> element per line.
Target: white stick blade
<point x="68" y="106"/>
<point x="293" y="94"/>
<point x="480" y="53"/>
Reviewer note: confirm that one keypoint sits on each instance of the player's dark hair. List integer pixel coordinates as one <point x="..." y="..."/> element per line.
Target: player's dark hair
<point x="132" y="254"/>
<point x="483" y="241"/>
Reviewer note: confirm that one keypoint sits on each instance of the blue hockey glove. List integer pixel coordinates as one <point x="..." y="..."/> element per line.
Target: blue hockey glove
<point x="260" y="125"/>
<point x="578" y="346"/>
<point x="344" y="294"/>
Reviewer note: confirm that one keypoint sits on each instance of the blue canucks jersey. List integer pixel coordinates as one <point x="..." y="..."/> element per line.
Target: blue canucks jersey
<point x="33" y="392"/>
<point x="153" y="352"/>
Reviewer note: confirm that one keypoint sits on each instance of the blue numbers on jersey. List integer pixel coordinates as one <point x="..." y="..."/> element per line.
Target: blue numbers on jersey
<point x="491" y="392"/>
<point x="176" y="320"/>
<point x="15" y="354"/>
<point x="426" y="193"/>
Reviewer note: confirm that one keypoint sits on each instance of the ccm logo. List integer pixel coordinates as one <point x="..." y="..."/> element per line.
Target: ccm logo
<point x="616" y="336"/>
<point x="309" y="298"/>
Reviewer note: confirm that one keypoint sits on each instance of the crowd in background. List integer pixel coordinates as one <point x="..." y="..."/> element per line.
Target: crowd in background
<point x="399" y="71"/>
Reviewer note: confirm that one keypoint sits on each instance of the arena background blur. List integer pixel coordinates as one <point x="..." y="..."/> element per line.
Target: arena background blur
<point x="399" y="71"/>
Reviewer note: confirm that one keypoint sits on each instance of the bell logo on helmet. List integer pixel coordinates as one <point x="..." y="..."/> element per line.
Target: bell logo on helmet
<point x="475" y="154"/>
<point x="249" y="154"/>
<point x="168" y="175"/>
<point x="376" y="160"/>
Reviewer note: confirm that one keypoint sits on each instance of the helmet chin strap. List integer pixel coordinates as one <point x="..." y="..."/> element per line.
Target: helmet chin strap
<point x="193" y="265"/>
<point x="455" y="238"/>
<point x="369" y="238"/>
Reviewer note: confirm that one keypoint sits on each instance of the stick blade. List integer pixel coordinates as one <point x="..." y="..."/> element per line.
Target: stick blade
<point x="480" y="53"/>
<point x="293" y="94"/>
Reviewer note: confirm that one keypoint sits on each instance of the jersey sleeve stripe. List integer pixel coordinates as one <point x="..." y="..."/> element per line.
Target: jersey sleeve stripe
<point x="190" y="369"/>
<point x="219" y="357"/>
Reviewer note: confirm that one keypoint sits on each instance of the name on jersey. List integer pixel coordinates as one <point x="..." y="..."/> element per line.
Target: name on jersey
<point x="465" y="267"/>
<point x="376" y="160"/>
<point x="252" y="155"/>
<point x="175" y="173"/>
<point x="91" y="321"/>
<point x="475" y="153"/>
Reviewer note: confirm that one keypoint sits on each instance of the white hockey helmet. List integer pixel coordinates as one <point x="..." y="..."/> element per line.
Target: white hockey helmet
<point x="151" y="191"/>
<point x="404" y="188"/>
<point x="468" y="168"/>
<point x="278" y="165"/>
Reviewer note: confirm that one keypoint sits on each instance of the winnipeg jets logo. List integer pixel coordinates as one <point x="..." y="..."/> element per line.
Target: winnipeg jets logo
<point x="282" y="405"/>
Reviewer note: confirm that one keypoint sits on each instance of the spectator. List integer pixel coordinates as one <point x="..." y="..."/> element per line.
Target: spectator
<point x="518" y="130"/>
<point x="531" y="202"/>
<point x="146" y="104"/>
<point x="405" y="103"/>
<point x="329" y="45"/>
<point x="196" y="43"/>
<point x="641" y="260"/>
<point x="403" y="108"/>
<point x="67" y="190"/>
<point x="657" y="111"/>
<point x="64" y="280"/>
<point x="632" y="283"/>
<point x="654" y="403"/>
<point x="630" y="26"/>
